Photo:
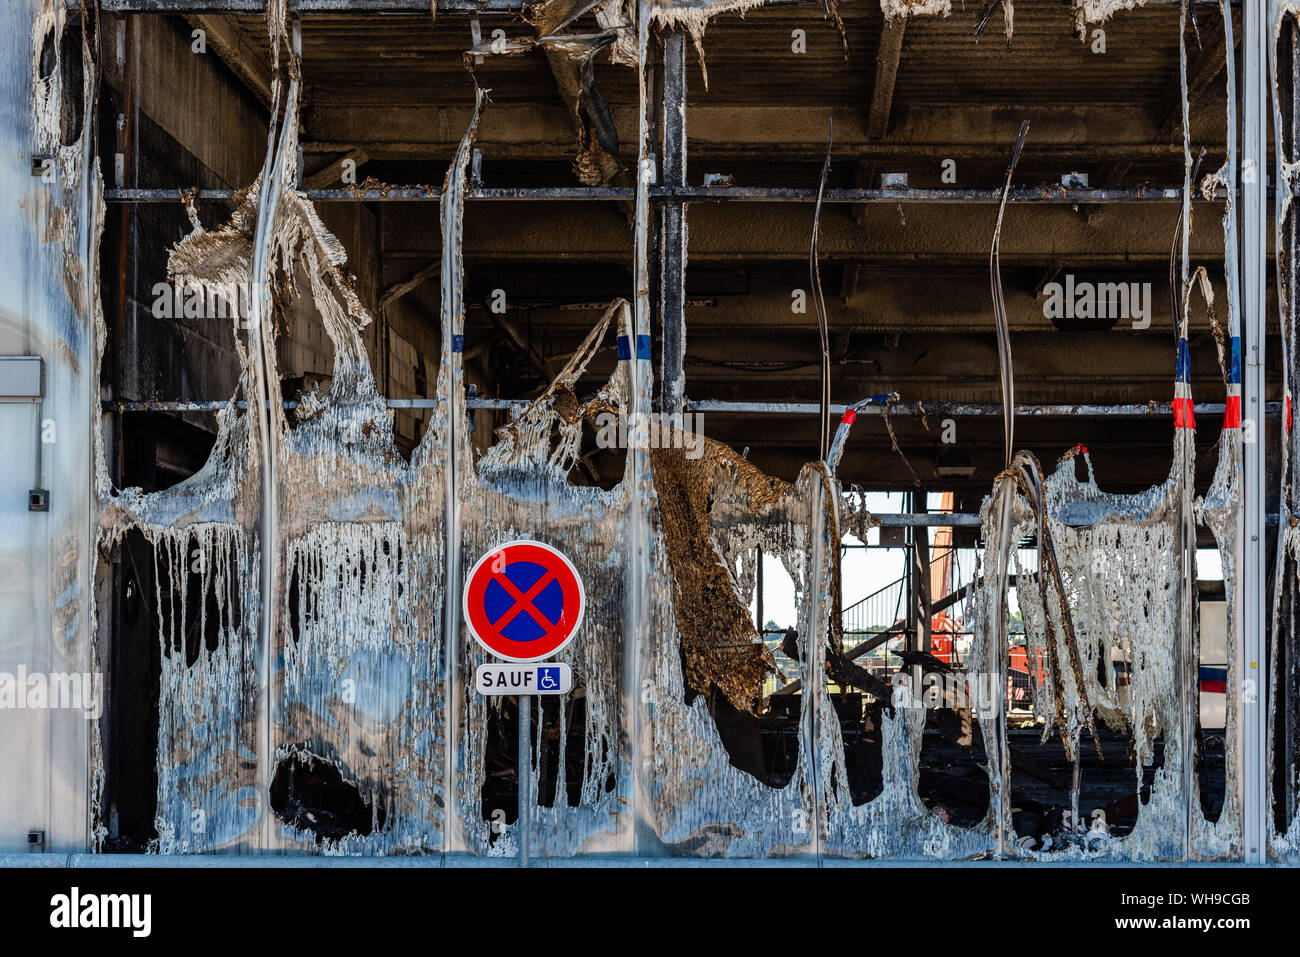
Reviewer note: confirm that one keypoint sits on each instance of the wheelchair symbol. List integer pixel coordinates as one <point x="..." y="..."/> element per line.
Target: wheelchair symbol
<point x="548" y="679"/>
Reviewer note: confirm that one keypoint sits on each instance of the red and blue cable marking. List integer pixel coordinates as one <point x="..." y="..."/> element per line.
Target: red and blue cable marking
<point x="1232" y="410"/>
<point x="1184" y="418"/>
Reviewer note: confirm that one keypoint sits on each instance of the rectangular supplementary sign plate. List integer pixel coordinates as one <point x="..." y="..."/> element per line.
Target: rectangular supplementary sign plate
<point x="20" y="378"/>
<point x="534" y="678"/>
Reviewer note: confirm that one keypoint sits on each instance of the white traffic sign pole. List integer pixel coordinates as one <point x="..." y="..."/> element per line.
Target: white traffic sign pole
<point x="524" y="790"/>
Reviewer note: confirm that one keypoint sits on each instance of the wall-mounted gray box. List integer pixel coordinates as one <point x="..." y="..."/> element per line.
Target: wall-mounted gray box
<point x="20" y="378"/>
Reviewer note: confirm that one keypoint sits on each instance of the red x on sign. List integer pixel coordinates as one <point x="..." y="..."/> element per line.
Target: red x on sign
<point x="524" y="601"/>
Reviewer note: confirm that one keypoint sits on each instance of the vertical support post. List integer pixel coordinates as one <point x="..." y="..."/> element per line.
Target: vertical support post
<point x="125" y="378"/>
<point x="1254" y="565"/>
<point x="638" y="695"/>
<point x="909" y="632"/>
<point x="381" y="332"/>
<point x="921" y="559"/>
<point x="296" y="39"/>
<point x="524" y="789"/>
<point x="124" y="60"/>
<point x="672" y="243"/>
<point x="822" y="549"/>
<point x="1284" y="641"/>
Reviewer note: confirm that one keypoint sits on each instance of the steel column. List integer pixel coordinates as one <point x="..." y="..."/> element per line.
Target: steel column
<point x="672" y="234"/>
<point x="1254" y="572"/>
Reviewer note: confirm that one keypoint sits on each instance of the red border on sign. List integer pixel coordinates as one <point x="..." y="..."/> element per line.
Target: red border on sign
<point x="558" y="568"/>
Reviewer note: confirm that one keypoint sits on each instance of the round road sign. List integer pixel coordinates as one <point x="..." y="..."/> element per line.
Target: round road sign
<point x="524" y="601"/>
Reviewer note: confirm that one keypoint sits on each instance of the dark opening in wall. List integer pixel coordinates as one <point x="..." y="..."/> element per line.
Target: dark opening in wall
<point x="162" y="449"/>
<point x="408" y="430"/>
<point x="310" y="794"/>
<point x="499" y="795"/>
<point x="547" y="723"/>
<point x="864" y="754"/>
<point x="952" y="781"/>
<point x="313" y="583"/>
<point x="779" y="738"/>
<point x="599" y="463"/>
<point x="765" y="747"/>
<point x="62" y="53"/>
<point x="49" y="54"/>
<point x="500" y="791"/>
<point x="194" y="610"/>
<point x="71" y="108"/>
<point x="1148" y="776"/>
<point x="131" y="660"/>
<point x="1286" y="715"/>
<point x="1211" y="765"/>
<point x="1042" y="780"/>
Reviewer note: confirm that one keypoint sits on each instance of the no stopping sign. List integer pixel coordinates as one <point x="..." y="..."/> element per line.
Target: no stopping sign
<point x="524" y="601"/>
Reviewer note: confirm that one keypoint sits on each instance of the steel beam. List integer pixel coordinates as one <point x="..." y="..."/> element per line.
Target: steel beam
<point x="676" y="195"/>
<point x="310" y="6"/>
<point x="386" y="6"/>
<point x="1153" y="410"/>
<point x="882" y="90"/>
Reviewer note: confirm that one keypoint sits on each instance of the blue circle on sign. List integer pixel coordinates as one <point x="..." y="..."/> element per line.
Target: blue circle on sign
<point x="549" y="602"/>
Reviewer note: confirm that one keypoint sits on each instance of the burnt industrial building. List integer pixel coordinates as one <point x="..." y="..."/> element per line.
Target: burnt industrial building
<point x="885" y="406"/>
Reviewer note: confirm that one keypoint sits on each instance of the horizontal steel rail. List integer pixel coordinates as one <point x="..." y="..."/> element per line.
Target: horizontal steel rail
<point x="1049" y="195"/>
<point x="957" y="409"/>
<point x="963" y="409"/>
<point x="388" y="6"/>
<point x="75" y="860"/>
